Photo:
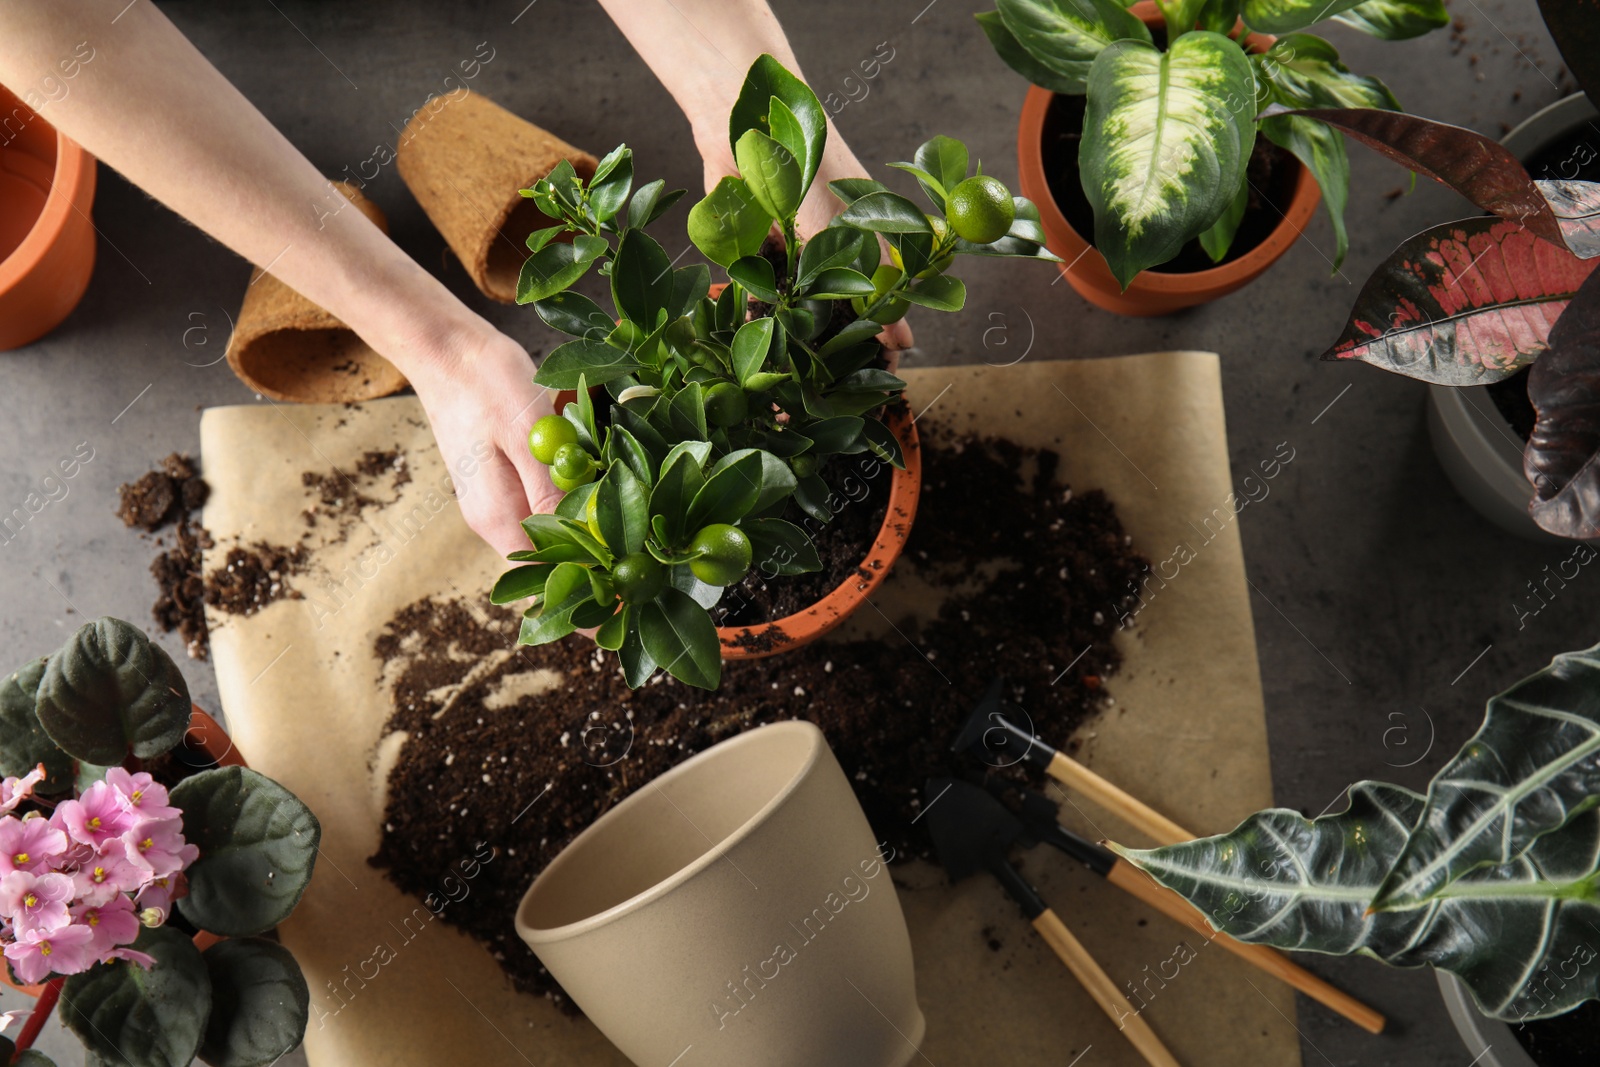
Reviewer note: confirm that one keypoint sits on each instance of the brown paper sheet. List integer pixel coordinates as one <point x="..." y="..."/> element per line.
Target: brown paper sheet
<point x="306" y="702"/>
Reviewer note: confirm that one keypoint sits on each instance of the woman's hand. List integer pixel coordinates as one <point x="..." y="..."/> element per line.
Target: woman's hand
<point x="481" y="401"/>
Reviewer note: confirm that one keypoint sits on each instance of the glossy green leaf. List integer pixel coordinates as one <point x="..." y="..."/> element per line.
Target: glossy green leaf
<point x="1219" y="238"/>
<point x="518" y="583"/>
<point x="641" y="279"/>
<point x="886" y="212"/>
<point x="258" y="846"/>
<point x="595" y="361"/>
<point x="1065" y="36"/>
<point x="1396" y="20"/>
<point x="649" y="202"/>
<point x="775" y="176"/>
<point x="836" y="246"/>
<point x="1179" y="15"/>
<point x="728" y="224"/>
<point x="539" y="238"/>
<point x="1219" y="16"/>
<point x="23" y="742"/>
<point x="612" y="632"/>
<point x="750" y="348"/>
<point x="1019" y="59"/>
<point x="1320" y="149"/>
<point x="849" y="190"/>
<point x="689" y="286"/>
<point x="557" y="266"/>
<point x="941" y="292"/>
<point x="687" y="412"/>
<point x="945" y="159"/>
<point x="581" y="535"/>
<point x="841" y="282"/>
<point x="729" y="493"/>
<point x="611" y="184"/>
<point x="575" y="314"/>
<point x="756" y="275"/>
<point x="681" y="478"/>
<point x="637" y="663"/>
<point x="623" y="510"/>
<point x="811" y="493"/>
<point x="838" y="434"/>
<point x="259" y="1003"/>
<point x="680" y="637"/>
<point x="779" y="547"/>
<point x="766" y="80"/>
<point x="624" y="446"/>
<point x="881" y="442"/>
<point x="1305" y="71"/>
<point x="1286" y="16"/>
<point x="1166" y="139"/>
<point x="111" y="690"/>
<point x="125" y="1014"/>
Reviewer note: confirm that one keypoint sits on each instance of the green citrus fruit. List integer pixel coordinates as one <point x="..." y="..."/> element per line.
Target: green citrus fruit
<point x="591" y="516"/>
<point x="980" y="209"/>
<point x="639" y="578"/>
<point x="725" y="404"/>
<point x="938" y="266"/>
<point x="573" y="464"/>
<point x="722" y="554"/>
<point x="804" y="465"/>
<point x="549" y="434"/>
<point x="566" y="485"/>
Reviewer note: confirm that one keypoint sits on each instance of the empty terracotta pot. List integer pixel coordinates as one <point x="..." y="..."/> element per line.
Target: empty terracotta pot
<point x="736" y="906"/>
<point x="466" y="160"/>
<point x="288" y="348"/>
<point x="47" y="243"/>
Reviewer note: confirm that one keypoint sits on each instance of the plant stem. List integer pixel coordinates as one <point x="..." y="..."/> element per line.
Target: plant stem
<point x="40" y="1015"/>
<point x="791" y="251"/>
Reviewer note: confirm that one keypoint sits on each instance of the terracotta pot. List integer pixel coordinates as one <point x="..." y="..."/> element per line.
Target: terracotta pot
<point x="1152" y="292"/>
<point x="47" y="242"/>
<point x="700" y="912"/>
<point x="206" y="745"/>
<point x="803" y="627"/>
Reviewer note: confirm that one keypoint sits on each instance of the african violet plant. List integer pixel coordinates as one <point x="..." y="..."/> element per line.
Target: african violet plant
<point x="723" y="409"/>
<point x="1494" y="875"/>
<point x="1168" y="133"/>
<point x="106" y="875"/>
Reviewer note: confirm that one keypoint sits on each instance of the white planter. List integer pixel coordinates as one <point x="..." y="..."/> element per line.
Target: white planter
<point x="1488" y="1039"/>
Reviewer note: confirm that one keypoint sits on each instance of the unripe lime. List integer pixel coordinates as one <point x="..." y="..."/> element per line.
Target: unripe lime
<point x="980" y="209"/>
<point x="549" y="434"/>
<point x="722" y="554"/>
<point x="573" y="464"/>
<point x="591" y="516"/>
<point x="639" y="578"/>
<point x="803" y="465"/>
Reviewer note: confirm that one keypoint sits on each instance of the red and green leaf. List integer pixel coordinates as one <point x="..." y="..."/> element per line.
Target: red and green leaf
<point x="1563" y="455"/>
<point x="1465" y="303"/>
<point x="1576" y="206"/>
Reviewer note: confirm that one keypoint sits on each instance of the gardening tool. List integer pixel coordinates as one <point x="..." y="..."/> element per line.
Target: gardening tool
<point x="1039" y="817"/>
<point x="991" y="734"/>
<point x="973" y="831"/>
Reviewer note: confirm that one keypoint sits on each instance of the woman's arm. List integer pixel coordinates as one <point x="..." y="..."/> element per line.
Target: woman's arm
<point x="153" y="107"/>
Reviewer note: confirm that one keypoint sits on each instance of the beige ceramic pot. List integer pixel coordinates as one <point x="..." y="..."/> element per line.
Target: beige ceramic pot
<point x="734" y="911"/>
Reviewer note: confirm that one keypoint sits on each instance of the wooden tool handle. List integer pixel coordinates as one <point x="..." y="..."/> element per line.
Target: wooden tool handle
<point x="1103" y="990"/>
<point x="1069" y="772"/>
<point x="1130" y="878"/>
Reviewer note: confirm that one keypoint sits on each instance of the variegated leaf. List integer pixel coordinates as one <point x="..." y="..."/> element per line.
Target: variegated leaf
<point x="1303" y="70"/>
<point x="1396" y="20"/>
<point x="1465" y="303"/>
<point x="1165" y="141"/>
<point x="1562" y="459"/>
<point x="1286" y="16"/>
<point x="1320" y="149"/>
<point x="1576" y="206"/>
<point x="1065" y="36"/>
<point x="1520" y="935"/>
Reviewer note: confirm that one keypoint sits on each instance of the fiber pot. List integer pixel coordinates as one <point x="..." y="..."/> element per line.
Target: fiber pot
<point x="288" y="348"/>
<point x="790" y="632"/>
<point x="738" y="906"/>
<point x="465" y="159"/>
<point x="1152" y="292"/>
<point x="47" y="243"/>
<point x="1477" y="448"/>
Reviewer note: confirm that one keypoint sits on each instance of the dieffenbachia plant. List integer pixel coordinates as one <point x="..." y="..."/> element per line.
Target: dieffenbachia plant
<point x="720" y="410"/>
<point x="1494" y="875"/>
<point x="106" y="875"/>
<point x="1168" y="132"/>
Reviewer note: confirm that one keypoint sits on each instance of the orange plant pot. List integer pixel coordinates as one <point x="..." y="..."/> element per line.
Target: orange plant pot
<point x="1152" y="292"/>
<point x="47" y="243"/>
<point x="205" y="737"/>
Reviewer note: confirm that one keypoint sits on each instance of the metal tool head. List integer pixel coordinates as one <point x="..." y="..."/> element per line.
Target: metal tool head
<point x="992" y="733"/>
<point x="1041" y="822"/>
<point x="971" y="830"/>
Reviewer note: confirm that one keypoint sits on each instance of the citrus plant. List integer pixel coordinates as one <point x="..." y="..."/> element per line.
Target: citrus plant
<point x="718" y="411"/>
<point x="1168" y="131"/>
<point x="106" y="874"/>
<point x="1493" y="875"/>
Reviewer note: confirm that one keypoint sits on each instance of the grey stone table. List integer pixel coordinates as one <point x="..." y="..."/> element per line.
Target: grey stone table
<point x="1385" y="608"/>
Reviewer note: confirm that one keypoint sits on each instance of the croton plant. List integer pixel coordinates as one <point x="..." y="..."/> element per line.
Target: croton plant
<point x="1493" y="875"/>
<point x="1473" y="302"/>
<point x="717" y="412"/>
<point x="1168" y="131"/>
<point x="108" y="877"/>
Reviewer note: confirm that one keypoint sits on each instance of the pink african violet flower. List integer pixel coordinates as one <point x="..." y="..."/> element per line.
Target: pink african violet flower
<point x="97" y="816"/>
<point x="9" y="1017"/>
<point x="38" y="954"/>
<point x="31" y="845"/>
<point x="142" y="794"/>
<point x="14" y="791"/>
<point x="35" y="903"/>
<point x="158" y="846"/>
<point x="112" y="924"/>
<point x="161" y="892"/>
<point x="143" y="959"/>
<point x="107" y="873"/>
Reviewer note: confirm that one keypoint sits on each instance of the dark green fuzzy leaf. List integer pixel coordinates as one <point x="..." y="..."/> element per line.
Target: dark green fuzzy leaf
<point x="23" y="743"/>
<point x="127" y="1015"/>
<point x="110" y="690"/>
<point x="259" y="1003"/>
<point x="258" y="846"/>
<point x="679" y="635"/>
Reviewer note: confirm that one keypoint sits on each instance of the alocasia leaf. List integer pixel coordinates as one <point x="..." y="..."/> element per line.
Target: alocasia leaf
<point x="1285" y="16"/>
<point x="1563" y="452"/>
<point x="1065" y="36"/>
<point x="1396" y="20"/>
<point x="1165" y="142"/>
<point x="1465" y="303"/>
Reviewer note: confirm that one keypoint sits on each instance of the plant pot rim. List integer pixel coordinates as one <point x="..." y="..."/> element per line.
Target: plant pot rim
<point x="808" y="624"/>
<point x="806" y="732"/>
<point x="1490" y="1039"/>
<point x="1302" y="205"/>
<point x="74" y="168"/>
